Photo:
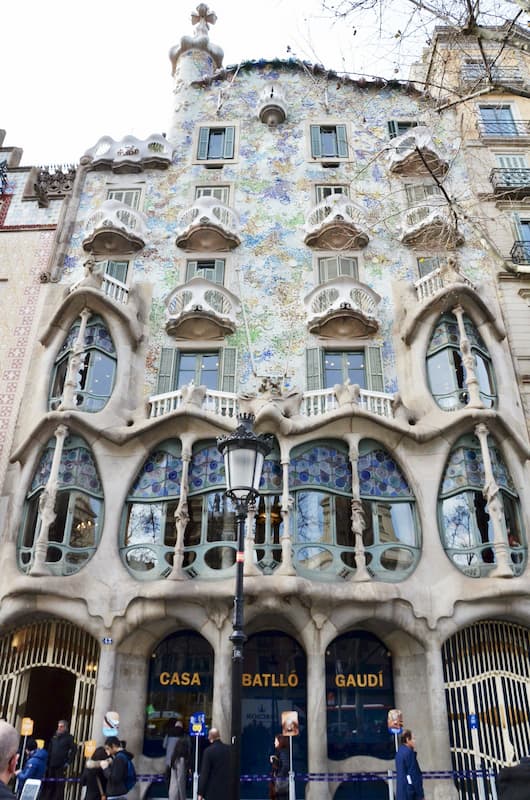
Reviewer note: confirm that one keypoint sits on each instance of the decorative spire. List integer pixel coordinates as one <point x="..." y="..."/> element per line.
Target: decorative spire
<point x="201" y="20"/>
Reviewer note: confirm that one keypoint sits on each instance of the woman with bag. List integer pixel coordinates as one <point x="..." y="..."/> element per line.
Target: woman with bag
<point x="279" y="783"/>
<point x="93" y="777"/>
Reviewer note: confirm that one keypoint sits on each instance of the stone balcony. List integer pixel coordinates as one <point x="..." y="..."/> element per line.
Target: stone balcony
<point x="510" y="183"/>
<point x="336" y="223"/>
<point x="317" y="403"/>
<point x="208" y="226"/>
<point x="414" y="153"/>
<point x="200" y="309"/>
<point x="129" y="155"/>
<point x="431" y="223"/>
<point x="342" y="308"/>
<point x="439" y="279"/>
<point x="115" y="229"/>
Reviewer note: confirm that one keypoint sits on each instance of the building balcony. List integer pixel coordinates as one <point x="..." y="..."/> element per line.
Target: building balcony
<point x="431" y="224"/>
<point x="115" y="229"/>
<point x="200" y="309"/>
<point x="314" y="404"/>
<point x="111" y="287"/>
<point x="512" y="184"/>
<point x="342" y="308"/>
<point x="272" y="108"/>
<point x="520" y="252"/>
<point x="439" y="279"/>
<point x="336" y="223"/>
<point x="510" y="129"/>
<point x="414" y="153"/>
<point x="208" y="226"/>
<point x="479" y="74"/>
<point x="129" y="155"/>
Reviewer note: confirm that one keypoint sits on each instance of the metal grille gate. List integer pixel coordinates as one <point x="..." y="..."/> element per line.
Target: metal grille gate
<point x="51" y="643"/>
<point x="487" y="687"/>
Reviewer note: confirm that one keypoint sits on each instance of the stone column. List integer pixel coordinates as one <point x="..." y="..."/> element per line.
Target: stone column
<point x="286" y="567"/>
<point x="222" y="673"/>
<point x="74" y="364"/>
<point x="468" y="360"/>
<point x="47" y="506"/>
<point x="249" y="567"/>
<point x="438" y="738"/>
<point x="104" y="698"/>
<point x="317" y="755"/>
<point x="357" y="514"/>
<point x="181" y="520"/>
<point x="495" y="508"/>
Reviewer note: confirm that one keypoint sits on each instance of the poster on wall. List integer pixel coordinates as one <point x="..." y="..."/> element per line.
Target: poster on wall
<point x="395" y="721"/>
<point x="111" y="723"/>
<point x="290" y="726"/>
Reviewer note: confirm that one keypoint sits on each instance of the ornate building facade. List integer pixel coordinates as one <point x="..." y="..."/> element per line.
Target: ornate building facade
<point x="292" y="248"/>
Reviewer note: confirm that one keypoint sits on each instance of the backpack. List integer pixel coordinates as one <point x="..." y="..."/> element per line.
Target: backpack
<point x="131" y="779"/>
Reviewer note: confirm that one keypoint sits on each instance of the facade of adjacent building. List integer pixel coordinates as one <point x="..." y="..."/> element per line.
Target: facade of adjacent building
<point x="324" y="254"/>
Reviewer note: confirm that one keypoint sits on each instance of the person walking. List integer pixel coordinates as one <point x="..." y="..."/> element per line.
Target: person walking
<point x="93" y="776"/>
<point x="118" y="770"/>
<point x="9" y="741"/>
<point x="215" y="769"/>
<point x="279" y="783"/>
<point x="180" y="763"/>
<point x="409" y="781"/>
<point x="35" y="766"/>
<point x="61" y="751"/>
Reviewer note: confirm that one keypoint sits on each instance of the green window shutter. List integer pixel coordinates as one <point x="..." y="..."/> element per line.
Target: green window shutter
<point x="374" y="369"/>
<point x="316" y="144"/>
<point x="228" y="151"/>
<point x="219" y="272"/>
<point x="166" y="370"/>
<point x="191" y="270"/>
<point x="204" y="137"/>
<point x="118" y="270"/>
<point x="393" y="129"/>
<point x="228" y="364"/>
<point x="342" y="141"/>
<point x="313" y="359"/>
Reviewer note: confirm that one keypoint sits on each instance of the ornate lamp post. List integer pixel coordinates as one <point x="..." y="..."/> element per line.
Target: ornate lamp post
<point x="244" y="453"/>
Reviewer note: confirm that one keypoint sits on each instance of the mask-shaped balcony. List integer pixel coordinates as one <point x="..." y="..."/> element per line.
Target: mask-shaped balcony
<point x="432" y="224"/>
<point x="272" y="109"/>
<point x="342" y="308"/>
<point x="115" y="229"/>
<point x="414" y="153"/>
<point x="208" y="226"/>
<point x="129" y="155"/>
<point x="336" y="223"/>
<point x="200" y="309"/>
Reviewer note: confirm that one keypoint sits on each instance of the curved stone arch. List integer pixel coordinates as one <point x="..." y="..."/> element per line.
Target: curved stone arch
<point x="52" y="643"/>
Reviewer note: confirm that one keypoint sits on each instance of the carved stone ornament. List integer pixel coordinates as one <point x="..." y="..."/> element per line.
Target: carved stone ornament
<point x="53" y="183"/>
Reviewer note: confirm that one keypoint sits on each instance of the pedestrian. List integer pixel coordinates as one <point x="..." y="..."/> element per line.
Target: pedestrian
<point x="118" y="771"/>
<point x="215" y="769"/>
<point x="279" y="783"/>
<point x="61" y="751"/>
<point x="35" y="766"/>
<point x="180" y="763"/>
<point x="93" y="776"/>
<point x="513" y="782"/>
<point x="409" y="780"/>
<point x="169" y="743"/>
<point x="9" y="741"/>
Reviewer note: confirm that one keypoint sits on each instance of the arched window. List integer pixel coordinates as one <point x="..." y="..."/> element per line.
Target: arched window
<point x="97" y="366"/>
<point x="74" y="533"/>
<point x="446" y="369"/>
<point x="149" y="526"/>
<point x="210" y="537"/>
<point x="390" y="534"/>
<point x="467" y="530"/>
<point x="269" y="522"/>
<point x="320" y="480"/>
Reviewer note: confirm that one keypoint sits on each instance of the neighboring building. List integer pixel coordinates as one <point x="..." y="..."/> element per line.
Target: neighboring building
<point x="292" y="249"/>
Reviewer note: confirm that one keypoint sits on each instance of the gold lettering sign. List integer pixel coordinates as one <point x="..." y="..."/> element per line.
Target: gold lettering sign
<point x="269" y="679"/>
<point x="180" y="679"/>
<point x="361" y="680"/>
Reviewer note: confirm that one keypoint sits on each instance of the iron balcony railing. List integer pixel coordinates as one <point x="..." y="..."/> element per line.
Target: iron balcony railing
<point x="508" y="179"/>
<point x="520" y="252"/>
<point x="478" y="72"/>
<point x="508" y="128"/>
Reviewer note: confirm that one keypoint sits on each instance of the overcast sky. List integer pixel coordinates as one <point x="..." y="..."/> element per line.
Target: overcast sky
<point x="76" y="71"/>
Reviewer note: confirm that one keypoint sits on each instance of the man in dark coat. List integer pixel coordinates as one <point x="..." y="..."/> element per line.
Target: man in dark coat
<point x="215" y="769"/>
<point x="116" y="772"/>
<point x="61" y="751"/>
<point x="409" y="780"/>
<point x="9" y="741"/>
<point x="513" y="783"/>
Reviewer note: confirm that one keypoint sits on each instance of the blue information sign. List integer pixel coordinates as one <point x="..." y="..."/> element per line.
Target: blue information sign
<point x="198" y="724"/>
<point x="472" y="720"/>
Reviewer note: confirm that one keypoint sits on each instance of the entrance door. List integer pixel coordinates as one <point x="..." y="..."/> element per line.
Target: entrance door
<point x="50" y="698"/>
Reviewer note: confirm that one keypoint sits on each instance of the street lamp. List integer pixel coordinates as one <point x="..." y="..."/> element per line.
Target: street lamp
<point x="244" y="453"/>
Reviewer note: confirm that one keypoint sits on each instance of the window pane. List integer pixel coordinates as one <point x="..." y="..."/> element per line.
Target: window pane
<point x="354" y="364"/>
<point x="144" y="523"/>
<point x="328" y="139"/>
<point x="100" y="374"/>
<point x="221" y="519"/>
<point x="187" y="368"/>
<point x="216" y="143"/>
<point x="85" y="520"/>
<point x="209" y="369"/>
<point x="332" y="369"/>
